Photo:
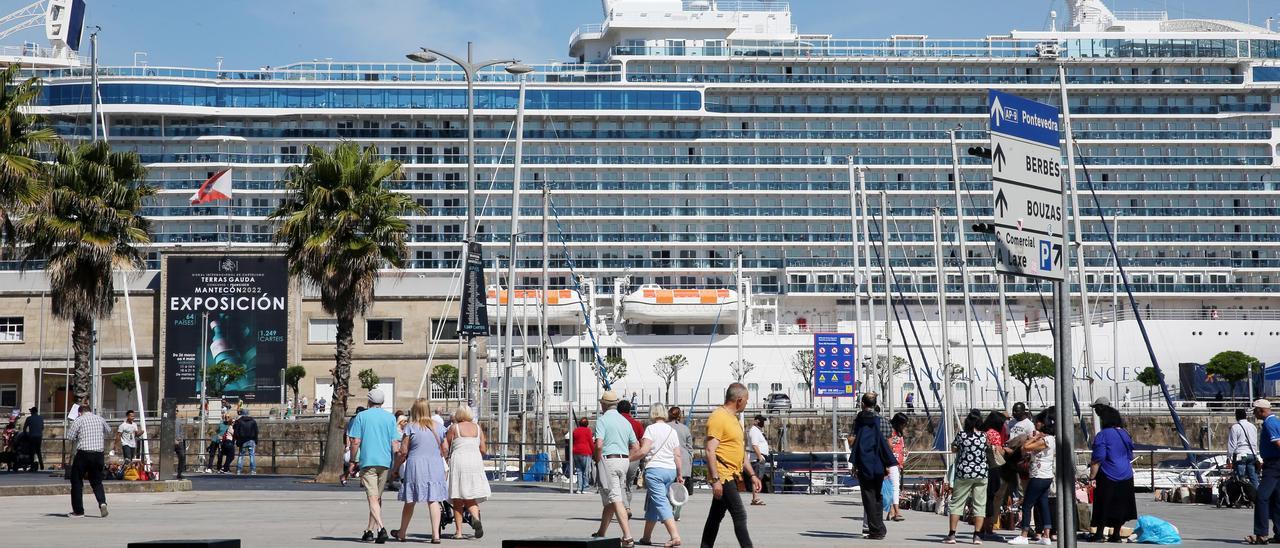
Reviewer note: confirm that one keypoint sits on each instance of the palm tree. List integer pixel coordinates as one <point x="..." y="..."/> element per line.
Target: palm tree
<point x="20" y="184"/>
<point x="342" y="225"/>
<point x="86" y="225"/>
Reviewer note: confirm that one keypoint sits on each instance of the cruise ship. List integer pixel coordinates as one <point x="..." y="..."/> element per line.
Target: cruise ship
<point x="700" y="157"/>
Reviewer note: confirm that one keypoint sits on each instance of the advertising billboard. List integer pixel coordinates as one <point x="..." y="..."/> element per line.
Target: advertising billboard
<point x="230" y="309"/>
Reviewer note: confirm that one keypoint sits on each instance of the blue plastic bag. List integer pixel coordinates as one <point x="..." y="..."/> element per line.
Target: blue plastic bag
<point x="886" y="493"/>
<point x="1153" y="530"/>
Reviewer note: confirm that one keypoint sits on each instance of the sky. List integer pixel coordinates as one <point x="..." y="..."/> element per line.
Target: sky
<point x="254" y="33"/>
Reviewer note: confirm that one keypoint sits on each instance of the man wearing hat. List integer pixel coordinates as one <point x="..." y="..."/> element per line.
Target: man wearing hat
<point x="615" y="444"/>
<point x="373" y="440"/>
<point x="1267" y="507"/>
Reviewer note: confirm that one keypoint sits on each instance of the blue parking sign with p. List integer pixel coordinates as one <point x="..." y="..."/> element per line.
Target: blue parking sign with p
<point x="1046" y="256"/>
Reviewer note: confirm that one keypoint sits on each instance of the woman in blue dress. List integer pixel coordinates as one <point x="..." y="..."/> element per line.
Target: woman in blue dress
<point x="423" y="478"/>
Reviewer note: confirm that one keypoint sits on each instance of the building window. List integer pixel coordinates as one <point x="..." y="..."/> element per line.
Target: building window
<point x="323" y="331"/>
<point x="560" y="355"/>
<point x="613" y="352"/>
<point x="8" y="395"/>
<point x="557" y="388"/>
<point x="775" y="387"/>
<point x="383" y="330"/>
<point x="449" y="332"/>
<point x="586" y="355"/>
<point x="11" y="328"/>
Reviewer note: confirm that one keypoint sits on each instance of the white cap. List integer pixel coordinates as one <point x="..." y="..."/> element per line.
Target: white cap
<point x="376" y="397"/>
<point x="1261" y="404"/>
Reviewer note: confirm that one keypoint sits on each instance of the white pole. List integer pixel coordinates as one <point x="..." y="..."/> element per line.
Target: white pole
<point x="738" y="283"/>
<point x="513" y="257"/>
<point x="545" y="341"/>
<point x="1115" y="314"/>
<point x="204" y="380"/>
<point x="1004" y="344"/>
<point x="1076" y="238"/>
<point x="888" y="277"/>
<point x="970" y="376"/>
<point x="854" y="174"/>
<point x="942" y="322"/>
<point x="137" y="375"/>
<point x="865" y="281"/>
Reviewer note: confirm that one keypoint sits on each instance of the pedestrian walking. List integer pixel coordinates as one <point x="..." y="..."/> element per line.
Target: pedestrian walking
<point x="423" y="480"/>
<point x="179" y="448"/>
<point x="675" y="418"/>
<point x="898" y="446"/>
<point x="660" y="446"/>
<point x="348" y="456"/>
<point x="305" y="406"/>
<point x="89" y="434"/>
<point x="1242" y="449"/>
<point x="871" y="462"/>
<point x="1266" y="509"/>
<point x="127" y="438"/>
<point x="634" y="468"/>
<point x="728" y="471"/>
<point x="468" y="487"/>
<point x="1111" y="471"/>
<point x="246" y="437"/>
<point x="969" y="483"/>
<point x="33" y="431"/>
<point x="993" y="429"/>
<point x="758" y="454"/>
<point x="373" y="440"/>
<point x="1039" y="448"/>
<point x="616" y="443"/>
<point x="583" y="445"/>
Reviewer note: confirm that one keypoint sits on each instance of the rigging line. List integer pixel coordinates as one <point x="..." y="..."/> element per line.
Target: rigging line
<point x="933" y="385"/>
<point x="973" y="313"/>
<point x="693" y="401"/>
<point x="937" y="349"/>
<point x="1133" y="304"/>
<point x="990" y="246"/>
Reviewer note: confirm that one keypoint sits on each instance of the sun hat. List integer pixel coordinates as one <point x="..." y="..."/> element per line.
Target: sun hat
<point x="1102" y="400"/>
<point x="609" y="397"/>
<point x="677" y="494"/>
<point x="1261" y="404"/>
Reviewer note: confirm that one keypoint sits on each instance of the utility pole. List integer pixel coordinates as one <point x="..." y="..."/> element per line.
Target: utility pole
<point x="1065" y="370"/>
<point x="1004" y="343"/>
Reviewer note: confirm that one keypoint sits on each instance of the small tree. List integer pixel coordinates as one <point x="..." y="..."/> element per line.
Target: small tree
<point x="740" y="370"/>
<point x="1233" y="366"/>
<point x="124" y="381"/>
<point x="222" y="374"/>
<point x="802" y="364"/>
<point x="445" y="378"/>
<point x="1149" y="378"/>
<point x="667" y="367"/>
<point x="368" y="379"/>
<point x="1029" y="366"/>
<point x="615" y="368"/>
<point x="886" y="373"/>
<point x="293" y="375"/>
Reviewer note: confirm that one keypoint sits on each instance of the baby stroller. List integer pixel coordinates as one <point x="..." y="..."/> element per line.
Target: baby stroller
<point x="446" y="515"/>
<point x="1234" y="492"/>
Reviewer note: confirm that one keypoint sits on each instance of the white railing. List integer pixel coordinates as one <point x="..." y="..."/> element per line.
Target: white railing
<point x="583" y="30"/>
<point x="737" y="5"/>
<point x="1142" y="15"/>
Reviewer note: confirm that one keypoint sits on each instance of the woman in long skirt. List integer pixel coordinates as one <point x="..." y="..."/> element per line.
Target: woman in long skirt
<point x="1111" y="471"/>
<point x="423" y="477"/>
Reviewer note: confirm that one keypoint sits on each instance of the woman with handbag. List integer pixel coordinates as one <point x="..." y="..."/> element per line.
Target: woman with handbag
<point x="993" y="429"/>
<point x="898" y="446"/>
<point x="663" y="459"/>
<point x="1039" y="451"/>
<point x="970" y="482"/>
<point x="423" y="480"/>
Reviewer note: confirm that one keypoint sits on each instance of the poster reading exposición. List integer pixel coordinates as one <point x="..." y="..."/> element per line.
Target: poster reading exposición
<point x="229" y="311"/>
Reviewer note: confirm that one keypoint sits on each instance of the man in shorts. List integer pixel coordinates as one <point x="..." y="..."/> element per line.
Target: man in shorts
<point x="373" y="440"/>
<point x="615" y="444"/>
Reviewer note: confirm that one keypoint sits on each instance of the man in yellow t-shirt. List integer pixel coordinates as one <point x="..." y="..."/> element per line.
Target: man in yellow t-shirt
<point x="728" y="458"/>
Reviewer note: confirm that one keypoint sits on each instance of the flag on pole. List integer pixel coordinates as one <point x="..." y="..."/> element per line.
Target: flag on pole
<point x="218" y="187"/>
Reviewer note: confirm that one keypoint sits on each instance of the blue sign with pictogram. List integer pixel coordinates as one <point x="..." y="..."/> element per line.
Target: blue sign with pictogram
<point x="835" y="360"/>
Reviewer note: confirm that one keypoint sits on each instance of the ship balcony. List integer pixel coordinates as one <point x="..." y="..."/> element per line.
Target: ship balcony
<point x="587" y="32"/>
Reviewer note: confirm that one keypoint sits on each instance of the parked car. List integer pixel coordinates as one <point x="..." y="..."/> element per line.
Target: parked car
<point x="777" y="401"/>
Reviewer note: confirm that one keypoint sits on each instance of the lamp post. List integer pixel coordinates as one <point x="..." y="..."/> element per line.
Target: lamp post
<point x="470" y="69"/>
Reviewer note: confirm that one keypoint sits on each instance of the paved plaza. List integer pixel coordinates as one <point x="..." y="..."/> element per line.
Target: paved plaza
<point x="275" y="511"/>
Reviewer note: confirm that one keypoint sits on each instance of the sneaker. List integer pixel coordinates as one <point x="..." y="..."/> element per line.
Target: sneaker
<point x="951" y="539"/>
<point x="103" y="508"/>
<point x="74" y="515"/>
<point x="1045" y="541"/>
<point x="367" y="536"/>
<point x="253" y="473"/>
<point x="382" y="536"/>
<point x="208" y="470"/>
<point x="1019" y="540"/>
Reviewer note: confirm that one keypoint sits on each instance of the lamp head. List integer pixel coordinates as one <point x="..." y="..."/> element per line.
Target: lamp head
<point x="423" y="56"/>
<point x="519" y="68"/>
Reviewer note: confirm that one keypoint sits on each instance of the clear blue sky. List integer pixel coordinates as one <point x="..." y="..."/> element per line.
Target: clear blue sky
<point x="253" y="33"/>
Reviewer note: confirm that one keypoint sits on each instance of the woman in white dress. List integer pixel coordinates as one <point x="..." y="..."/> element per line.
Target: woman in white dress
<point x="468" y="486"/>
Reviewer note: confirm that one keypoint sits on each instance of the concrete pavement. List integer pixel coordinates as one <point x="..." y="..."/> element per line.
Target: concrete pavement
<point x="274" y="511"/>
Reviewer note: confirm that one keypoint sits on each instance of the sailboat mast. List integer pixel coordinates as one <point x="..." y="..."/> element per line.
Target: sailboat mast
<point x="964" y="272"/>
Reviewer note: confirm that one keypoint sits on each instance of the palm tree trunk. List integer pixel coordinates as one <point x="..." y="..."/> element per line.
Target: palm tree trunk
<point x="332" y="466"/>
<point x="81" y="345"/>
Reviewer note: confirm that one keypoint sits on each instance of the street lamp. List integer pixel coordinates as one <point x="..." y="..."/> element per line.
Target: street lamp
<point x="470" y="69"/>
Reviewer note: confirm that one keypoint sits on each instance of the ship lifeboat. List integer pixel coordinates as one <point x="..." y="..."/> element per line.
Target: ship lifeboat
<point x="564" y="306"/>
<point x="653" y="304"/>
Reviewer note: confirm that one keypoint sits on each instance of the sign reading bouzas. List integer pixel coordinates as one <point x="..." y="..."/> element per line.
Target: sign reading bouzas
<point x="225" y="308"/>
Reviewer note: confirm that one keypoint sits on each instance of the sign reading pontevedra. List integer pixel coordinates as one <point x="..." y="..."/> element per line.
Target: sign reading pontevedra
<point x="475" y="317"/>
<point x="226" y="308"/>
<point x="1026" y="175"/>
<point x="835" y="359"/>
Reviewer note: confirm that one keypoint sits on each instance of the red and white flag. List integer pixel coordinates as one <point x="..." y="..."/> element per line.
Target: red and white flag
<point x="217" y="187"/>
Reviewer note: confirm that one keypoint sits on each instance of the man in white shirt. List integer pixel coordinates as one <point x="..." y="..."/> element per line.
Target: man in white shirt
<point x="1242" y="448"/>
<point x="758" y="455"/>
<point x="127" y="437"/>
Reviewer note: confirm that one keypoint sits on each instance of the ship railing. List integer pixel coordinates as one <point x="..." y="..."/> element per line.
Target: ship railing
<point x="584" y="31"/>
<point x="36" y="51"/>
<point x="1142" y="15"/>
<point x="737" y="5"/>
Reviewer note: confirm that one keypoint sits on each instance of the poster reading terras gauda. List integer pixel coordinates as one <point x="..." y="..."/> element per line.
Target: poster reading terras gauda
<point x="225" y="313"/>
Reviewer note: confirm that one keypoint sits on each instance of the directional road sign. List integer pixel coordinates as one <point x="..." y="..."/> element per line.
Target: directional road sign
<point x="1026" y="175"/>
<point x="835" y="359"/>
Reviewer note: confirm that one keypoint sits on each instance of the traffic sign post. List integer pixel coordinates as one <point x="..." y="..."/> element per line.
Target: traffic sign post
<point x="834" y="365"/>
<point x="1026" y="182"/>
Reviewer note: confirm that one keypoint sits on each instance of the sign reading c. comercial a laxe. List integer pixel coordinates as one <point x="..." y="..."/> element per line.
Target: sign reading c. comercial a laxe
<point x="1026" y="184"/>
